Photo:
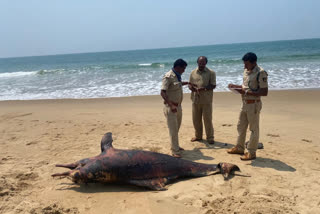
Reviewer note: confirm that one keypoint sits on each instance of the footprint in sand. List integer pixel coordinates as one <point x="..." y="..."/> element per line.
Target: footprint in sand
<point x="12" y="138"/>
<point x="204" y="203"/>
<point x="55" y="208"/>
<point x="58" y="136"/>
<point x="12" y="184"/>
<point x="5" y="187"/>
<point x="91" y="130"/>
<point x="6" y="158"/>
<point x="27" y="176"/>
<point x="42" y="163"/>
<point x="176" y="196"/>
<point x="32" y="143"/>
<point x="273" y="135"/>
<point x="129" y="124"/>
<point x="228" y="125"/>
<point x="261" y="202"/>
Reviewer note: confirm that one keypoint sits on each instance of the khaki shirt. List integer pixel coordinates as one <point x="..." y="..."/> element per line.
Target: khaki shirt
<point x="251" y="82"/>
<point x="202" y="79"/>
<point x="173" y="87"/>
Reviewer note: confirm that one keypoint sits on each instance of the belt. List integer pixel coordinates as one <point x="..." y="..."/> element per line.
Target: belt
<point x="175" y="104"/>
<point x="251" y="101"/>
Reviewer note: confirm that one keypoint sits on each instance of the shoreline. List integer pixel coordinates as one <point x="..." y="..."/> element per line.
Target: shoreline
<point x="156" y="48"/>
<point x="184" y="94"/>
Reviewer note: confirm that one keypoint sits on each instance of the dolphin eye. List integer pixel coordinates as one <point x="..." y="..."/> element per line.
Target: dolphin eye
<point x="76" y="177"/>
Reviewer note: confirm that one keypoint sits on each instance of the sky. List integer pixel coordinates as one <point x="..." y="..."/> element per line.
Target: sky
<point x="37" y="27"/>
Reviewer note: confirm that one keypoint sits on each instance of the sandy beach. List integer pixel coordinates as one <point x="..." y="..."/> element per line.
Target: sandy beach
<point x="36" y="135"/>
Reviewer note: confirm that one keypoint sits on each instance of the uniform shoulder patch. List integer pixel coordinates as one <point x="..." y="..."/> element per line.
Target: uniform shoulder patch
<point x="263" y="72"/>
<point x="264" y="75"/>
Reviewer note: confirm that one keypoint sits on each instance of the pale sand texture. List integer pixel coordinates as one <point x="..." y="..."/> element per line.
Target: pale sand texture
<point x="36" y="135"/>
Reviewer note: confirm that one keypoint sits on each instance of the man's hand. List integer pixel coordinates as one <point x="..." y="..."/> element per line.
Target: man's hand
<point x="173" y="109"/>
<point x="230" y="86"/>
<point x="192" y="87"/>
<point x="234" y="86"/>
<point x="173" y="106"/>
<point x="200" y="89"/>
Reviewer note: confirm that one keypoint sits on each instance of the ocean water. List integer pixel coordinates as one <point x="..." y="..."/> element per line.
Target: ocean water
<point x="291" y="64"/>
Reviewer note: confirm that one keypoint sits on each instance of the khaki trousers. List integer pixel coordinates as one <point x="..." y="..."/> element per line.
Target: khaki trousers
<point x="174" y="123"/>
<point x="249" y="116"/>
<point x="199" y="112"/>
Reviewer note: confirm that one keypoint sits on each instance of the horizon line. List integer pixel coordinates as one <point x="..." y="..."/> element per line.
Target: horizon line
<point x="12" y="57"/>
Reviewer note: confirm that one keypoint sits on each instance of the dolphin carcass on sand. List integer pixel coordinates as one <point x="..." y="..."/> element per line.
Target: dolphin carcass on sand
<point x="142" y="168"/>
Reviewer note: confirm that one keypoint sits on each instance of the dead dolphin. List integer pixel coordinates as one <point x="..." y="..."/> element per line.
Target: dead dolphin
<point x="142" y="168"/>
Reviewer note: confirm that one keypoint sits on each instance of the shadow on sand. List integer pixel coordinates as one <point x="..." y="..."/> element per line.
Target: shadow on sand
<point x="196" y="153"/>
<point x="118" y="187"/>
<point x="216" y="145"/>
<point x="101" y="187"/>
<point x="271" y="163"/>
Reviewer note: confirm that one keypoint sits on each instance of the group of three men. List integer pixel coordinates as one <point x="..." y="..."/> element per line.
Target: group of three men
<point x="202" y="81"/>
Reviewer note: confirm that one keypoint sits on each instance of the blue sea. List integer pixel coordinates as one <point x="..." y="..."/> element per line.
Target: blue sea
<point x="291" y="64"/>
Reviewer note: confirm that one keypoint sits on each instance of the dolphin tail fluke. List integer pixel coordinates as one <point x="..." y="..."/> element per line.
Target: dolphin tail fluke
<point x="227" y="169"/>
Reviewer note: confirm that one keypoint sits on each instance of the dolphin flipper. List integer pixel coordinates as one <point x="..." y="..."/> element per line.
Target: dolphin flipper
<point x="154" y="184"/>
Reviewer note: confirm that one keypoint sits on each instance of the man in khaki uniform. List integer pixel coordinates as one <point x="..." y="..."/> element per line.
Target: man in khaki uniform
<point x="255" y="85"/>
<point x="202" y="82"/>
<point x="171" y="92"/>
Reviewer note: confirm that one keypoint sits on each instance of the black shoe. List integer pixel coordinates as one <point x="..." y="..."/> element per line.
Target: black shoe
<point x="211" y="142"/>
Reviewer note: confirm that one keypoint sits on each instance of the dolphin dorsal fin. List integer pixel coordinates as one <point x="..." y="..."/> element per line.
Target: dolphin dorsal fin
<point x="106" y="141"/>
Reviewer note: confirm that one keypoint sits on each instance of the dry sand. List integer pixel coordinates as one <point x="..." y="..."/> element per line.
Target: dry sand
<point x="36" y="135"/>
